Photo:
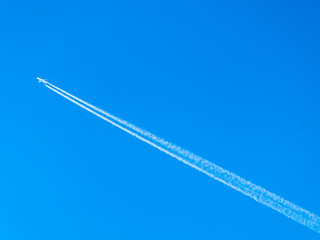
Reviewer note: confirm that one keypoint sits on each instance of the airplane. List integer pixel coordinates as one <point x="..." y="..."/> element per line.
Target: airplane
<point x="42" y="80"/>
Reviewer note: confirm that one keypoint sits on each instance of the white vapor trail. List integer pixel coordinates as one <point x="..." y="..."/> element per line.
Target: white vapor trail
<point x="230" y="179"/>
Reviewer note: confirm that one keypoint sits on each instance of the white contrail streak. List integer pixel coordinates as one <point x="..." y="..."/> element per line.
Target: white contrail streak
<point x="259" y="194"/>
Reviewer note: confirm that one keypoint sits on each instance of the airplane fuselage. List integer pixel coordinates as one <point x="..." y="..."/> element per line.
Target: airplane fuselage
<point x="42" y="80"/>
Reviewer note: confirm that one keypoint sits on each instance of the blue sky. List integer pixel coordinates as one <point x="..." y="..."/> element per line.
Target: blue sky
<point x="236" y="83"/>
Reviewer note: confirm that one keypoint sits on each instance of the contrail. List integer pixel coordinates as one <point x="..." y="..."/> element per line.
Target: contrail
<point x="230" y="179"/>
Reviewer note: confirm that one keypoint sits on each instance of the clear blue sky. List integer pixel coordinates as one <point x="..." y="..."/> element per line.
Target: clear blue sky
<point x="234" y="82"/>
